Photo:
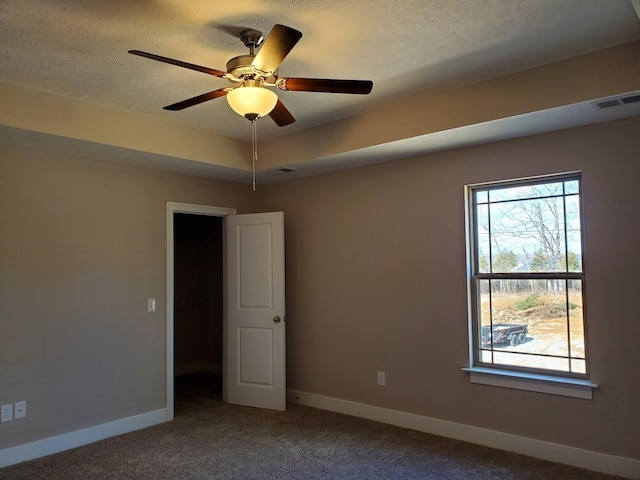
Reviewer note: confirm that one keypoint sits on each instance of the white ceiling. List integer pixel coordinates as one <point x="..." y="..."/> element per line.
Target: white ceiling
<point x="78" y="49"/>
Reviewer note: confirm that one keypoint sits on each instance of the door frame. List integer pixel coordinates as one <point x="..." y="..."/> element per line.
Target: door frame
<point x="171" y="208"/>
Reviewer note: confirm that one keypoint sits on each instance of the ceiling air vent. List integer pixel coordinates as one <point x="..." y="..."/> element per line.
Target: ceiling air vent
<point x="630" y="99"/>
<point x="618" y="101"/>
<point x="280" y="171"/>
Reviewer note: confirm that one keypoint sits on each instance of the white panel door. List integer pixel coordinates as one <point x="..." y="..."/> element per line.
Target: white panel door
<point x="254" y="328"/>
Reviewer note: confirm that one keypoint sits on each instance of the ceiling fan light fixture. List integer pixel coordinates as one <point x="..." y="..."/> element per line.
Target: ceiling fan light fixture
<point x="251" y="100"/>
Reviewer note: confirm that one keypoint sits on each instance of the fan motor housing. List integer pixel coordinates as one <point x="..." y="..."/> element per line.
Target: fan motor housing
<point x="240" y="68"/>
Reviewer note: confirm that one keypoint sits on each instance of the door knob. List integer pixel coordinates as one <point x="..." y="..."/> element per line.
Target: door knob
<point x="277" y="319"/>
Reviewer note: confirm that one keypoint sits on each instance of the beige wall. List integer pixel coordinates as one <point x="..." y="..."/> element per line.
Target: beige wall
<point x="82" y="247"/>
<point x="376" y="281"/>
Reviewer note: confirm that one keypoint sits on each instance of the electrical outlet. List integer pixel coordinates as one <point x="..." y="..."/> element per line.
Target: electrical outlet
<point x="20" y="409"/>
<point x="6" y="413"/>
<point x="381" y="379"/>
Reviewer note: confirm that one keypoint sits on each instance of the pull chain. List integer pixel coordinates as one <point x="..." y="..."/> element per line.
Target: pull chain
<point x="254" y="139"/>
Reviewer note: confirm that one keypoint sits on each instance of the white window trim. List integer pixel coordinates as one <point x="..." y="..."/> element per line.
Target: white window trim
<point x="567" y="387"/>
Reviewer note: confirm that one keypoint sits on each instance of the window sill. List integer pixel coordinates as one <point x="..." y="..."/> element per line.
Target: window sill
<point x="568" y="387"/>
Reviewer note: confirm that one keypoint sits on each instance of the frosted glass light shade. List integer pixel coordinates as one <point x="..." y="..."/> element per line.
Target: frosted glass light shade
<point x="251" y="101"/>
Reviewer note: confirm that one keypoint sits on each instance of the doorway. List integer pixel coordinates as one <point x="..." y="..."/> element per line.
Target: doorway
<point x="195" y="295"/>
<point x="198" y="308"/>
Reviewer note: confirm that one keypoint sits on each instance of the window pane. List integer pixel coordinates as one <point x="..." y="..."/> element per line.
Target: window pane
<point x="482" y="238"/>
<point x="525" y="323"/>
<point x="525" y="191"/>
<point x="576" y="319"/>
<point x="578" y="366"/>
<point x="521" y="360"/>
<point x="571" y="186"/>
<point x="482" y="196"/>
<point x="528" y="235"/>
<point x="574" y="233"/>
<point x="484" y="302"/>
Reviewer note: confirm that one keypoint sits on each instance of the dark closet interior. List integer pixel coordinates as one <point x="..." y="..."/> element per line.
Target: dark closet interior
<point x="198" y="287"/>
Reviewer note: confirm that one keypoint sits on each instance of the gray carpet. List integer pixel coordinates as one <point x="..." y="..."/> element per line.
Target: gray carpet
<point x="212" y="440"/>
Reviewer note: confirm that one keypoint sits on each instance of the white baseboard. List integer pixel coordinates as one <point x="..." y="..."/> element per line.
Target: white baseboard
<point x="59" y="443"/>
<point x="599" y="462"/>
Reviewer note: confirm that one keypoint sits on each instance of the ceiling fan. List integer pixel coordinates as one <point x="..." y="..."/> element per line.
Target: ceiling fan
<point x="252" y="73"/>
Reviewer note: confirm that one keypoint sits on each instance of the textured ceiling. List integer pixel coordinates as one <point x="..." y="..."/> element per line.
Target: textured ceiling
<point x="78" y="48"/>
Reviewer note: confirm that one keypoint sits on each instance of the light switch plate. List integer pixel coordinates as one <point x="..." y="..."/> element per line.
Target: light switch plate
<point x="151" y="305"/>
<point x="6" y="413"/>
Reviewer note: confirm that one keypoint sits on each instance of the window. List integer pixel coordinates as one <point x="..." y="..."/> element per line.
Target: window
<point x="527" y="276"/>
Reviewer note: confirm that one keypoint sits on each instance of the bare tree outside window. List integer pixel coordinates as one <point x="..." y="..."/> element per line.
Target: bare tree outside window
<point x="527" y="280"/>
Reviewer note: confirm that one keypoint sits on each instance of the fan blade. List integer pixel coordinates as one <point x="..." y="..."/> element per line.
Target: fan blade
<point x="281" y="115"/>
<point x="191" y="66"/>
<point x="190" y="102"/>
<point x="361" y="87"/>
<point x="276" y="46"/>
